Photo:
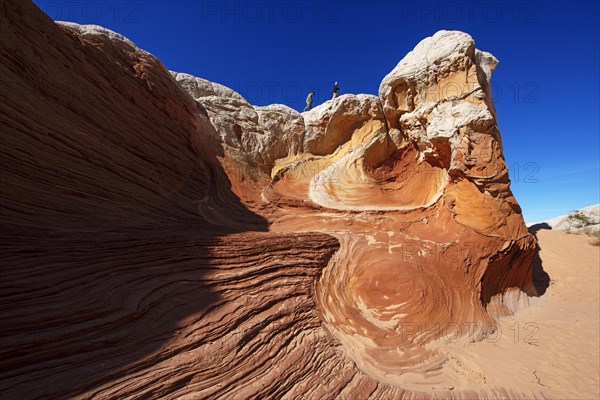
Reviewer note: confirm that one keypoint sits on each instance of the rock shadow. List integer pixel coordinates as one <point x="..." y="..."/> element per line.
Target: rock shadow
<point x="114" y="210"/>
<point x="540" y="278"/>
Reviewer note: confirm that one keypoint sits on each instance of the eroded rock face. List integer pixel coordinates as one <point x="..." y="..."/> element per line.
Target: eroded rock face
<point x="332" y="124"/>
<point x="136" y="204"/>
<point x="259" y="135"/>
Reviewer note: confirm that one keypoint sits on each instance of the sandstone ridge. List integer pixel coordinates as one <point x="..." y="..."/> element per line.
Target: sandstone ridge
<point x="164" y="238"/>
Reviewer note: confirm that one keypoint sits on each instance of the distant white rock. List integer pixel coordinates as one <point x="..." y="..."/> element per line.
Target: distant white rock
<point x="584" y="220"/>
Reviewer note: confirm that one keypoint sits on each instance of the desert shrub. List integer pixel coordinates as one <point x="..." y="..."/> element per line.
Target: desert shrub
<point x="581" y="219"/>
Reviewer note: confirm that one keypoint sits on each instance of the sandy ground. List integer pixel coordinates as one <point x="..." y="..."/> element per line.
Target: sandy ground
<point x="549" y="349"/>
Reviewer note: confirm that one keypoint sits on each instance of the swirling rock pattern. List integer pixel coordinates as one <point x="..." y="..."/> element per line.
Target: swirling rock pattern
<point x="163" y="238"/>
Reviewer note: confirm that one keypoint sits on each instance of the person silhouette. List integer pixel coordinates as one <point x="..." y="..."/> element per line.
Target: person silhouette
<point x="309" y="101"/>
<point x="336" y="89"/>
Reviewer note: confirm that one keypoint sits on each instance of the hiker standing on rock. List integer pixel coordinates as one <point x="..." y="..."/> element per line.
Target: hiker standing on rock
<point x="336" y="89"/>
<point x="309" y="100"/>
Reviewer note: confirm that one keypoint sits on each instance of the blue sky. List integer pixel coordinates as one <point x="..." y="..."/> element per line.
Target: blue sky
<point x="546" y="85"/>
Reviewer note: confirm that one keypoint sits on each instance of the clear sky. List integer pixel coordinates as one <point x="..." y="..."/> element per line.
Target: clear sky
<point x="546" y="85"/>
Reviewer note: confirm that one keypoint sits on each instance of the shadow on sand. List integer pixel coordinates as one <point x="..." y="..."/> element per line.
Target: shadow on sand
<point x="540" y="278"/>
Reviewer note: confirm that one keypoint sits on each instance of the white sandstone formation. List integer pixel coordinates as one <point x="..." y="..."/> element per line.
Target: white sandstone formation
<point x="584" y="220"/>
